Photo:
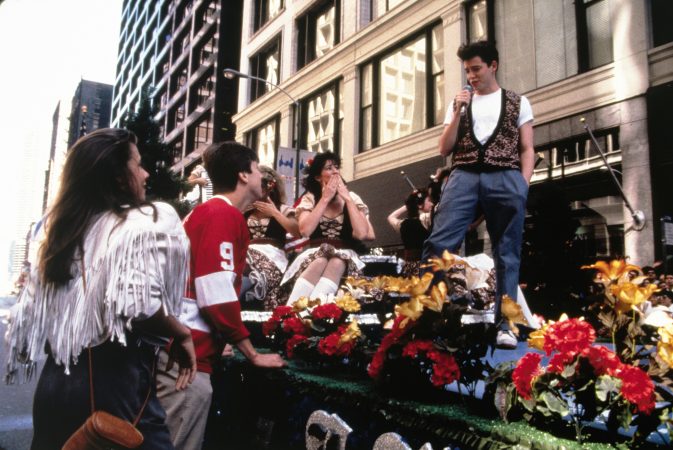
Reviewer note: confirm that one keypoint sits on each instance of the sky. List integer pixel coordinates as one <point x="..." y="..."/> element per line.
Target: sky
<point x="46" y="47"/>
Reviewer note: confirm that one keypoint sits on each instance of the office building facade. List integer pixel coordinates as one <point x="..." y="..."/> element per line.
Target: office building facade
<point x="175" y="50"/>
<point x="373" y="79"/>
<point x="90" y="109"/>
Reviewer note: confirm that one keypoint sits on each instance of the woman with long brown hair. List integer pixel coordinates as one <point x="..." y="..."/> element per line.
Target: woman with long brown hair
<point x="107" y="287"/>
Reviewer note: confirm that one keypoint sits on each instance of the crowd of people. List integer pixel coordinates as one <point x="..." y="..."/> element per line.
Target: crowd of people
<point x="133" y="308"/>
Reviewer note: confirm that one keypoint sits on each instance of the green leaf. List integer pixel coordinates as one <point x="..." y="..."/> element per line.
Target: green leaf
<point x="528" y="404"/>
<point x="606" y="385"/>
<point x="555" y="403"/>
<point x="569" y="370"/>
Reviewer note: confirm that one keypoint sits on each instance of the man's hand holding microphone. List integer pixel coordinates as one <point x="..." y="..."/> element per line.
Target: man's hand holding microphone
<point x="463" y="98"/>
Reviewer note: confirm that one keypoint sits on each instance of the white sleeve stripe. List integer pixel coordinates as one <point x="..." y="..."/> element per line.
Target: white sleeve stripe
<point x="215" y="288"/>
<point x="191" y="317"/>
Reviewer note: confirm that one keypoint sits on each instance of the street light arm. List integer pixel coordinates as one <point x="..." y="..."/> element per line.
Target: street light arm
<point x="231" y="74"/>
<point x="637" y="215"/>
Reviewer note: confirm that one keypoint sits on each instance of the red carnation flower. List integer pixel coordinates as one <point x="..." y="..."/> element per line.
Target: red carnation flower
<point x="637" y="388"/>
<point x="559" y="361"/>
<point x="330" y="346"/>
<point x="525" y="372"/>
<point x="604" y="361"/>
<point x="292" y="343"/>
<point x="269" y="326"/>
<point x="569" y="336"/>
<point x="281" y="312"/>
<point x="326" y="311"/>
<point x="374" y="369"/>
<point x="445" y="370"/>
<point x="294" y="325"/>
<point x="412" y="348"/>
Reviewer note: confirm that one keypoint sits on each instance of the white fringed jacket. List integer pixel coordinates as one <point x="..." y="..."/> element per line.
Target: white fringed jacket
<point x="133" y="267"/>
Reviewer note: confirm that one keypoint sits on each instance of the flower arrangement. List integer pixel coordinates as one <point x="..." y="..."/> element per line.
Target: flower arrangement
<point x="318" y="332"/>
<point x="582" y="381"/>
<point x="427" y="336"/>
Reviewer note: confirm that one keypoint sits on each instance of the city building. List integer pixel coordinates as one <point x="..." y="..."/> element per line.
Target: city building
<point x="373" y="78"/>
<point x="90" y="109"/>
<point x="174" y="51"/>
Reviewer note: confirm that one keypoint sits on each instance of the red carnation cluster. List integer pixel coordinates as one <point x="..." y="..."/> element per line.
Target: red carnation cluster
<point x="445" y="370"/>
<point x="278" y="315"/>
<point x="525" y="372"/>
<point x="375" y="366"/>
<point x="604" y="361"/>
<point x="294" y="325"/>
<point x="330" y="346"/>
<point x="558" y="362"/>
<point x="569" y="336"/>
<point x="637" y="388"/>
<point x="292" y="343"/>
<point x="412" y="348"/>
<point x="326" y="311"/>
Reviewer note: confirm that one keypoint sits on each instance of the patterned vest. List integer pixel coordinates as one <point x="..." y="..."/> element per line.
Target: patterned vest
<point x="501" y="150"/>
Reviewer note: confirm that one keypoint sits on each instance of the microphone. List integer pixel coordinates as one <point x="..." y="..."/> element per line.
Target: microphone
<point x="467" y="87"/>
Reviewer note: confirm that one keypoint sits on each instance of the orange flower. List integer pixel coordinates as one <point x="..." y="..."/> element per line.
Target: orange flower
<point x="665" y="344"/>
<point x="444" y="263"/>
<point x="616" y="271"/>
<point x="629" y="295"/>
<point x="417" y="286"/>
<point x="410" y="310"/>
<point x="537" y="337"/>
<point x="435" y="301"/>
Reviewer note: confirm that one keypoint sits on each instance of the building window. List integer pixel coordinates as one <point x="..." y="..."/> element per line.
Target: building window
<point x="264" y="140"/>
<point x="320" y="123"/>
<point x="205" y="89"/>
<point x="575" y="155"/>
<point x="373" y="9"/>
<point x="479" y="20"/>
<point x="409" y="90"/>
<point x="661" y="12"/>
<point x="594" y="33"/>
<point x="203" y="133"/>
<point x="265" y="64"/>
<point x="319" y="31"/>
<point x="265" y="10"/>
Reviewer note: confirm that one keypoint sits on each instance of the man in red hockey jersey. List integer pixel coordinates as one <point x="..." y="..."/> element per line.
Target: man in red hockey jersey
<point x="219" y="237"/>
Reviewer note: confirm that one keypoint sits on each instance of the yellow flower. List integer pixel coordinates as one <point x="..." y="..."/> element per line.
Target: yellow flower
<point x="357" y="282"/>
<point x="629" y="295"/>
<point x="303" y="302"/>
<point x="435" y="301"/>
<point x="665" y="344"/>
<point x="536" y="338"/>
<point x="513" y="313"/>
<point x="411" y="310"/>
<point x="352" y="332"/>
<point x="444" y="263"/>
<point x="418" y="286"/>
<point x="348" y="303"/>
<point x="615" y="271"/>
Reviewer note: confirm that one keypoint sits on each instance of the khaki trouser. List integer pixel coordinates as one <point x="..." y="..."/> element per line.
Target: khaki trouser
<point x="186" y="410"/>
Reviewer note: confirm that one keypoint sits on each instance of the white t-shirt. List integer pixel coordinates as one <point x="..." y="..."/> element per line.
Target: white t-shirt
<point x="486" y="112"/>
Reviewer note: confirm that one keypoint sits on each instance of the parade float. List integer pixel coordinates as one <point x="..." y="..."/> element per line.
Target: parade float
<point x="407" y="363"/>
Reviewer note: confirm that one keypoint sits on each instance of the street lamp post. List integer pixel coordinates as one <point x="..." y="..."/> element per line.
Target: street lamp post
<point x="637" y="215"/>
<point x="294" y="139"/>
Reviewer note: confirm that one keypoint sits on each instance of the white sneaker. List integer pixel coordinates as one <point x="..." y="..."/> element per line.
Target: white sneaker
<point x="505" y="340"/>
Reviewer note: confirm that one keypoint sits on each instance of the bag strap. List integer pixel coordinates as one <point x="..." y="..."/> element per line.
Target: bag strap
<point x="91" y="397"/>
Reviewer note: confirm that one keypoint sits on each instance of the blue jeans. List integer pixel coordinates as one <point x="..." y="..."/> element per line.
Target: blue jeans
<point x="122" y="377"/>
<point x="501" y="194"/>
